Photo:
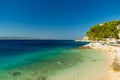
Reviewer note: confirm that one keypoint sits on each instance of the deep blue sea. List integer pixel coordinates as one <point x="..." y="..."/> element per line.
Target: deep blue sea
<point x="16" y="50"/>
<point x="31" y="59"/>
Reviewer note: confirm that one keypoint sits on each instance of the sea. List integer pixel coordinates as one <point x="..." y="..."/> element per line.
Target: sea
<point x="50" y="60"/>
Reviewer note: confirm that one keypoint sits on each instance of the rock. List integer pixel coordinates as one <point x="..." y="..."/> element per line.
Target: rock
<point x="116" y="68"/>
<point x="41" y="78"/>
<point x="116" y="64"/>
<point x="16" y="73"/>
<point x="85" y="47"/>
<point x="81" y="60"/>
<point x="94" y="60"/>
<point x="27" y="79"/>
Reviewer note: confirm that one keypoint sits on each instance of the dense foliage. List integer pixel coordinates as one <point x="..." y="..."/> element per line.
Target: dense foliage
<point x="106" y="30"/>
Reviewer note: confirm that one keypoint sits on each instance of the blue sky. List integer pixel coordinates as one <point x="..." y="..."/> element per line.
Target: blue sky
<point x="54" y="19"/>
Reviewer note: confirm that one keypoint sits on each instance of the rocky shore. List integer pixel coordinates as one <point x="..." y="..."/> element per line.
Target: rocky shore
<point x="113" y="53"/>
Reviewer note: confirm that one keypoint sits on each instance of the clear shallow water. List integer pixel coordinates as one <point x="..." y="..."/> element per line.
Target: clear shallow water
<point x="29" y="60"/>
<point x="92" y="67"/>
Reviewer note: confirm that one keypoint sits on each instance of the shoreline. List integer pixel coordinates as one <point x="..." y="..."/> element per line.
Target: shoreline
<point x="92" y="67"/>
<point x="111" y="52"/>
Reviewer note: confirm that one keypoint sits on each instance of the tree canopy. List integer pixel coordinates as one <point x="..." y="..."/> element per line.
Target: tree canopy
<point x="105" y="30"/>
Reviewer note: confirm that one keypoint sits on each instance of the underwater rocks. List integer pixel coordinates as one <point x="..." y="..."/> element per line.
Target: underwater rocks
<point x="27" y="79"/>
<point x="37" y="78"/>
<point x="41" y="78"/>
<point x="94" y="60"/>
<point x="16" y="73"/>
<point x="34" y="74"/>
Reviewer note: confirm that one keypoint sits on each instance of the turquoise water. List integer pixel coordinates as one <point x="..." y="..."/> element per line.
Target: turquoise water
<point x="31" y="60"/>
<point x="91" y="65"/>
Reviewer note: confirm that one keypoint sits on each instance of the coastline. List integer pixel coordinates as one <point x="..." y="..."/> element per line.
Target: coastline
<point x="91" y="64"/>
<point x="111" y="52"/>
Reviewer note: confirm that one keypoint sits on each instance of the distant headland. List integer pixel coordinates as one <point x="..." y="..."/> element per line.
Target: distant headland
<point x="19" y="38"/>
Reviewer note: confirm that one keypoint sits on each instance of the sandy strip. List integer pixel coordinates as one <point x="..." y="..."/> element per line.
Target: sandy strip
<point x="111" y="51"/>
<point x="111" y="74"/>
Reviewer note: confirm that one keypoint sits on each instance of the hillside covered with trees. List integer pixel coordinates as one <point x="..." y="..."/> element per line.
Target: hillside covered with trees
<point x="103" y="31"/>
